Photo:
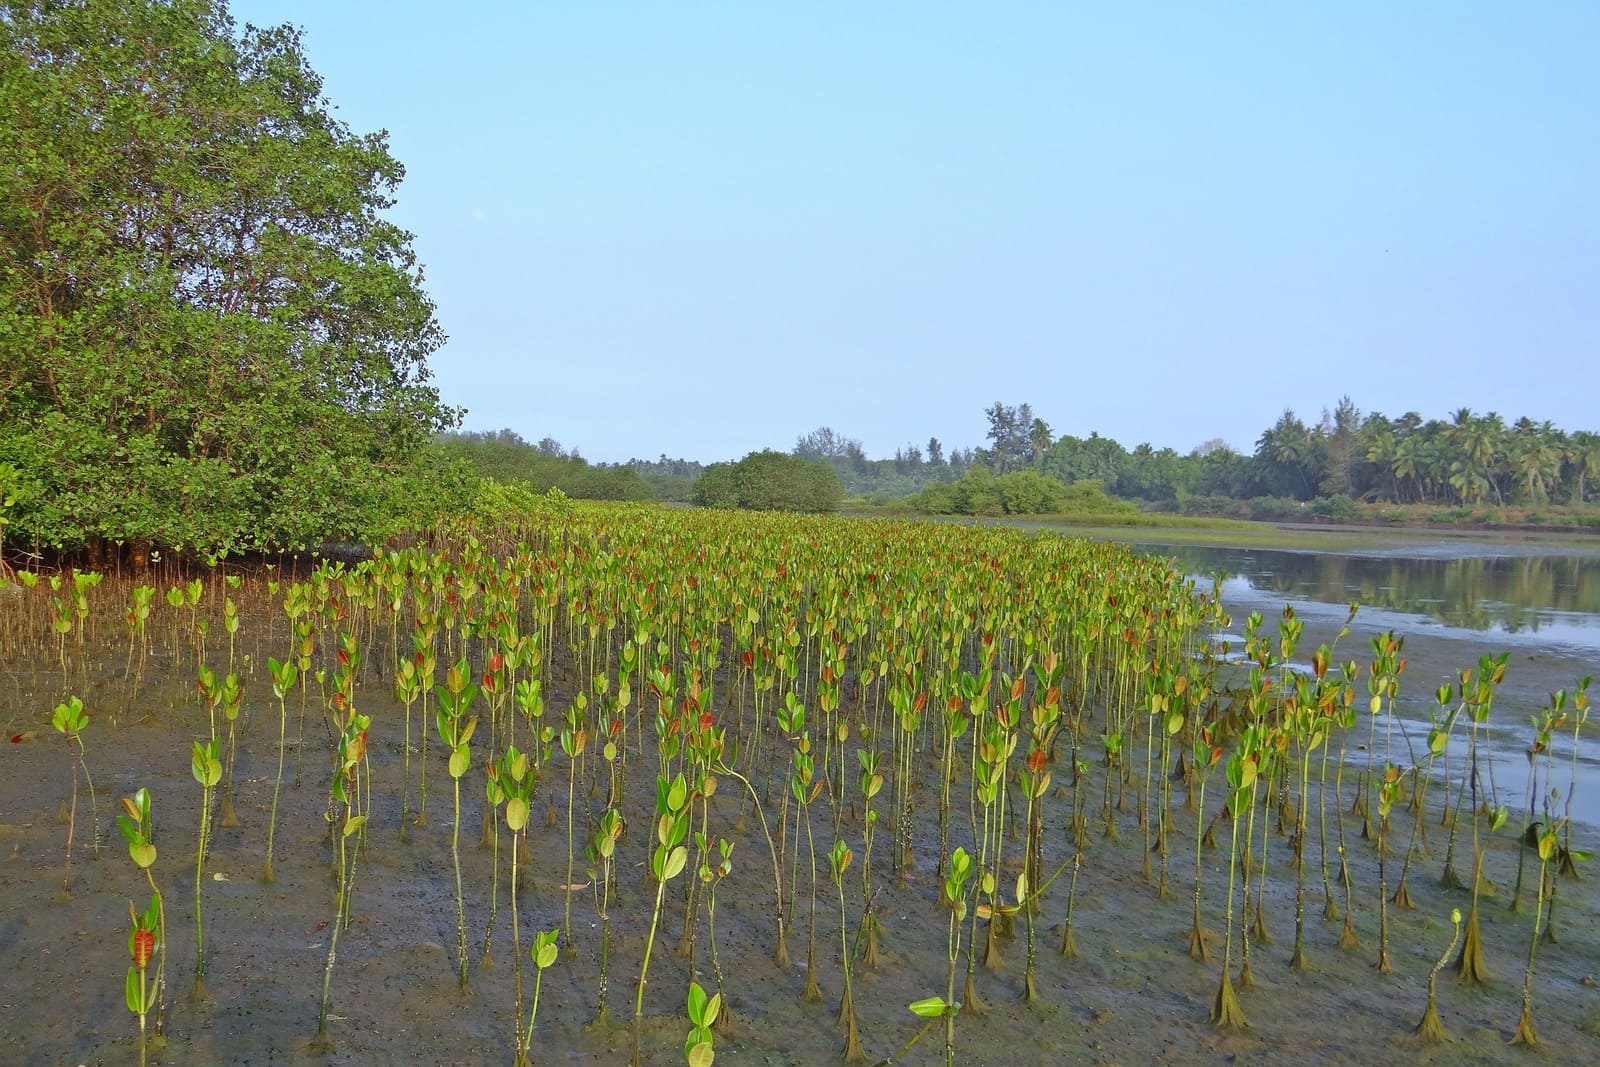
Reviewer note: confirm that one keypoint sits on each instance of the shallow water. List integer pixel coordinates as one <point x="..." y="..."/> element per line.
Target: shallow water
<point x="1453" y="601"/>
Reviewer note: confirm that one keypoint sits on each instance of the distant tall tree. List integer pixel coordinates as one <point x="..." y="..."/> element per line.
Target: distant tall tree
<point x="1341" y="434"/>
<point x="1584" y="461"/>
<point x="1039" y="438"/>
<point x="935" y="452"/>
<point x="1011" y="447"/>
<point x="1293" y="452"/>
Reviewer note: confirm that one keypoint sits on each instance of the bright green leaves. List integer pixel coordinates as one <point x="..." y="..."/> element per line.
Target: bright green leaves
<point x="69" y="718"/>
<point x="135" y="824"/>
<point x="958" y="872"/>
<point x="455" y="726"/>
<point x="545" y="950"/>
<point x="284" y="676"/>
<point x="703" y="1012"/>
<point x="205" y="763"/>
<point x="672" y="827"/>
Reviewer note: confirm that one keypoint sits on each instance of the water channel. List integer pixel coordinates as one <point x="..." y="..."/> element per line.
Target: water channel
<point x="1453" y="601"/>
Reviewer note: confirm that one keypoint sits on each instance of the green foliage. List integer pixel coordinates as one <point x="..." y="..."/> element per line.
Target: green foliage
<point x="1025" y="492"/>
<point x="209" y="335"/>
<point x="770" y="481"/>
<point x="506" y="457"/>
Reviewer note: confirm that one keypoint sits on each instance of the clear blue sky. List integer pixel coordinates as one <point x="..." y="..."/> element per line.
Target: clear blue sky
<point x="702" y="229"/>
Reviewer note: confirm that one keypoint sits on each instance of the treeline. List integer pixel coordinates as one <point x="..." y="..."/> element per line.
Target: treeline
<point x="1467" y="460"/>
<point x="504" y="456"/>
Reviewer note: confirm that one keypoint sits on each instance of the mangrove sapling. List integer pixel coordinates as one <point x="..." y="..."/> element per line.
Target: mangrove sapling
<point x="780" y="952"/>
<point x="1471" y="964"/>
<point x="703" y="1014"/>
<point x="573" y="741"/>
<point x="408" y="688"/>
<point x="70" y="721"/>
<point x="1226" y="1013"/>
<point x="712" y="878"/>
<point x="871" y="785"/>
<point x="515" y="785"/>
<point x="1430" y="1029"/>
<point x="1580" y="716"/>
<point x="232" y="697"/>
<point x="1388" y="792"/>
<point x="987" y="769"/>
<point x="839" y="860"/>
<point x="1543" y="726"/>
<point x="1206" y="754"/>
<point x="667" y="861"/>
<point x="425" y="642"/>
<point x="805" y="788"/>
<point x="1069" y="943"/>
<point x="137" y="827"/>
<point x="958" y="874"/>
<point x="1438" y="744"/>
<point x="342" y="810"/>
<point x="206" y="766"/>
<point x="494" y="794"/>
<point x="139" y="993"/>
<point x="456" y="728"/>
<point x="603" y="855"/>
<point x="1035" y="782"/>
<point x="544" y="954"/>
<point x="283" y="676"/>
<point x="1549" y="842"/>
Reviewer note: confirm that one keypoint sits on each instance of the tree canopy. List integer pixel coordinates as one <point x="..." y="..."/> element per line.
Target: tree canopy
<point x="770" y="481"/>
<point x="210" y="335"/>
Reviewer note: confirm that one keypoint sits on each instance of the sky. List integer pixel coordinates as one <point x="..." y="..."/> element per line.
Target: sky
<point x="701" y="229"/>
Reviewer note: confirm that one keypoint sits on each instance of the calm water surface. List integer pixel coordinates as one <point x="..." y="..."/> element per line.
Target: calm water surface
<point x="1453" y="602"/>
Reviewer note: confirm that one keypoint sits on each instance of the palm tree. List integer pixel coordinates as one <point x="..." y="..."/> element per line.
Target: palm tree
<point x="1584" y="458"/>
<point x="1536" y="457"/>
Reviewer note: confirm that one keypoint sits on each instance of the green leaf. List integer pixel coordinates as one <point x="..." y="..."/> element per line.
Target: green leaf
<point x="133" y="991"/>
<point x="697" y="1004"/>
<point x="142" y="853"/>
<point x="460" y="761"/>
<point x="675" y="863"/>
<point x="928" y="1007"/>
<point x="516" y="814"/>
<point x="701" y="1055"/>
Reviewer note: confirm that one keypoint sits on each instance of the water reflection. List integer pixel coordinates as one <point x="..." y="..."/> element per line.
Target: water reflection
<point x="1555" y="595"/>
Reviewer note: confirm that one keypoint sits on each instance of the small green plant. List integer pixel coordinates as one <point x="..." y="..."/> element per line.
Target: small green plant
<point x="1549" y="839"/>
<point x="456" y="728"/>
<point x="666" y="863"/>
<point x="703" y="1010"/>
<point x="839" y="861"/>
<point x="544" y="953"/>
<point x="137" y="827"/>
<point x="70" y="721"/>
<point x="139" y="992"/>
<point x="958" y="875"/>
<point x="343" y="813"/>
<point x="1430" y="1029"/>
<point x="206" y="766"/>
<point x="284" y="675"/>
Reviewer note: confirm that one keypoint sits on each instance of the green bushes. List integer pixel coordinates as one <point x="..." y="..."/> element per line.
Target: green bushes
<point x="770" y="481"/>
<point x="1018" y="493"/>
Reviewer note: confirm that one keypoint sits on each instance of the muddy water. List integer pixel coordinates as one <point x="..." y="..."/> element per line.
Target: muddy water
<point x="1132" y="995"/>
